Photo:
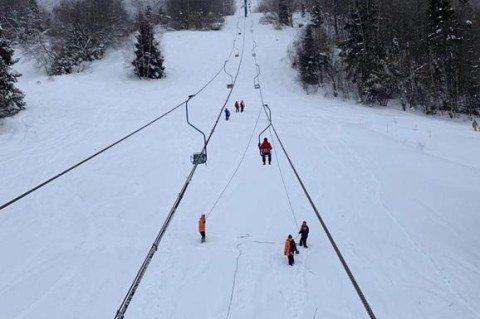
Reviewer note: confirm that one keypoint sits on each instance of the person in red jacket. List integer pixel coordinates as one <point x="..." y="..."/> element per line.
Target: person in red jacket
<point x="265" y="151"/>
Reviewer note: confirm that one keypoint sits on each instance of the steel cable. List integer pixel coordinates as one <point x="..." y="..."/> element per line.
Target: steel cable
<point x="320" y="219"/>
<point x="133" y="288"/>
<point x="48" y="181"/>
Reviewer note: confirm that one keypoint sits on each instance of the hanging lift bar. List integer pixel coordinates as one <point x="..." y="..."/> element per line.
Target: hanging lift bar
<point x="197" y="158"/>
<point x="229" y="85"/>
<point x="256" y="80"/>
<point x="269" y="122"/>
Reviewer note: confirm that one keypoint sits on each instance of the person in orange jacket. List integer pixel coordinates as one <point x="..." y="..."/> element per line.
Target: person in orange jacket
<point x="201" y="227"/>
<point x="290" y="250"/>
<point x="266" y="151"/>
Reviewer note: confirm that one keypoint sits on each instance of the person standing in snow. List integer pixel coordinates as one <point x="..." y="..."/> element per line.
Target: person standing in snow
<point x="237" y="106"/>
<point x="290" y="250"/>
<point x="227" y="114"/>
<point x="303" y="234"/>
<point x="265" y="151"/>
<point x="242" y="106"/>
<point x="201" y="227"/>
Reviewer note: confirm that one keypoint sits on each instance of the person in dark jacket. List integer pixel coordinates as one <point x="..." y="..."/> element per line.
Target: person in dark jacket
<point x="227" y="114"/>
<point x="265" y="151"/>
<point x="237" y="106"/>
<point x="290" y="250"/>
<point x="303" y="234"/>
<point x="242" y="105"/>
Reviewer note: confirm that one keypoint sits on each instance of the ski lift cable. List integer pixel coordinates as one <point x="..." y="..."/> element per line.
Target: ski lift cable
<point x="319" y="217"/>
<point x="238" y="165"/>
<point x="204" y="149"/>
<point x="131" y="292"/>
<point x="327" y="232"/>
<point x="284" y="184"/>
<point x="256" y="82"/>
<point x="269" y="117"/>
<point x="5" y="205"/>
<point x="48" y="181"/>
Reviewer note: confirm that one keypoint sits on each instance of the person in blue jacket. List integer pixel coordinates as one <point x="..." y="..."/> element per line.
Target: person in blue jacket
<point x="227" y="114"/>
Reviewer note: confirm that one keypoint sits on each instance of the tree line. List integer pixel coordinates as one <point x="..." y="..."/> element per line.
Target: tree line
<point x="423" y="53"/>
<point x="75" y="32"/>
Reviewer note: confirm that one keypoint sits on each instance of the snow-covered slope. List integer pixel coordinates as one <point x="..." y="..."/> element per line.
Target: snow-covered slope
<point x="399" y="192"/>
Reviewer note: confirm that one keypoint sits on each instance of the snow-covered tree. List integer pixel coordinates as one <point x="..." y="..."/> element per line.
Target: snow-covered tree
<point x="32" y="36"/>
<point x="198" y="14"/>
<point x="31" y="23"/>
<point x="72" y="54"/>
<point x="148" y="61"/>
<point x="364" y="55"/>
<point x="11" y="98"/>
<point x="308" y="58"/>
<point x="443" y="41"/>
<point x="316" y="15"/>
<point x="284" y="15"/>
<point x="82" y="31"/>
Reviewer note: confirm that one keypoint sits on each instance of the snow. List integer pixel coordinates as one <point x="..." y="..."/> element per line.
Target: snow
<point x="399" y="192"/>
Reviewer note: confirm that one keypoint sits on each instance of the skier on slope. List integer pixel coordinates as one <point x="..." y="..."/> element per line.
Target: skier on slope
<point x="290" y="250"/>
<point x="303" y="234"/>
<point x="227" y="114"/>
<point x="265" y="151"/>
<point x="201" y="227"/>
<point x="237" y="106"/>
<point x="242" y="106"/>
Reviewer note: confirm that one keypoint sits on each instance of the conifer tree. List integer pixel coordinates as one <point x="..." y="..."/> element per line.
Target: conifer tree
<point x="322" y="46"/>
<point x="71" y="56"/>
<point x="316" y="15"/>
<point x="33" y="37"/>
<point x="308" y="62"/>
<point x="442" y="42"/>
<point x="364" y="55"/>
<point x="283" y="12"/>
<point x="31" y="24"/>
<point x="148" y="61"/>
<point x="11" y="98"/>
<point x="471" y="72"/>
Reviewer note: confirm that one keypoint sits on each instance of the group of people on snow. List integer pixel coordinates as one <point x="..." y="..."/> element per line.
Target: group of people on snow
<point x="239" y="107"/>
<point x="290" y="248"/>
<point x="265" y="147"/>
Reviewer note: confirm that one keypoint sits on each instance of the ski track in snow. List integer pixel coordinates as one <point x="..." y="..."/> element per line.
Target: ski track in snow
<point x="71" y="249"/>
<point x="363" y="167"/>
